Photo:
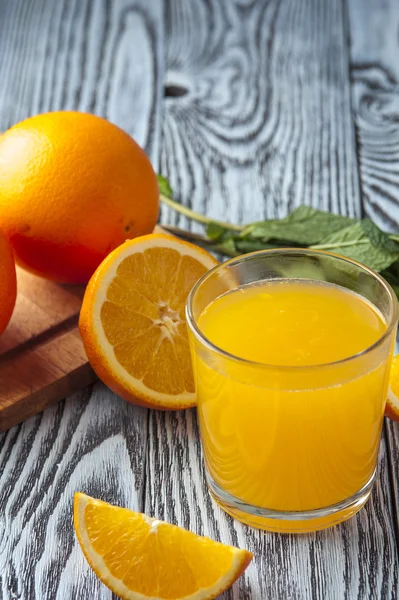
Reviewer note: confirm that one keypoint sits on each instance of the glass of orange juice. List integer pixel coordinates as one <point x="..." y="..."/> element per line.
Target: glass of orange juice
<point x="291" y="352"/>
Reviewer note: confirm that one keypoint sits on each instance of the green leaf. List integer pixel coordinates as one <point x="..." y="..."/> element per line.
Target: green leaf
<point x="230" y="247"/>
<point x="164" y="187"/>
<point x="350" y="234"/>
<point x="379" y="238"/>
<point x="301" y="213"/>
<point x="352" y="242"/>
<point x="305" y="225"/>
<point x="214" y="231"/>
<point x="248" y="245"/>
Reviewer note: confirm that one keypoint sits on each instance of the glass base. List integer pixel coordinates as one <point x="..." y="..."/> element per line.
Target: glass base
<point x="290" y="522"/>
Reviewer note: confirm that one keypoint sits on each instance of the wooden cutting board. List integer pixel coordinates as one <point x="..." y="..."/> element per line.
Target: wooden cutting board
<point x="42" y="359"/>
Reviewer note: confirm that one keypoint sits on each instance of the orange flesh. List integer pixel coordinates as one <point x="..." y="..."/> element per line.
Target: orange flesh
<point x="133" y="551"/>
<point x="144" y="318"/>
<point x="151" y="557"/>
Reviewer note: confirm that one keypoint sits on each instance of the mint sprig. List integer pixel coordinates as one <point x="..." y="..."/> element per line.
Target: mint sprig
<point x="304" y="227"/>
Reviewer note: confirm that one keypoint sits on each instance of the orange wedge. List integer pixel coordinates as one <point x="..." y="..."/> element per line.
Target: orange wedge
<point x="138" y="557"/>
<point x="132" y="320"/>
<point x="392" y="405"/>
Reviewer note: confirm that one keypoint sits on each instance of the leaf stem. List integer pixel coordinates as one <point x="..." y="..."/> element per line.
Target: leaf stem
<point x="184" y="233"/>
<point x="191" y="214"/>
<point x="199" y="239"/>
<point x="339" y="244"/>
<point x="247" y="229"/>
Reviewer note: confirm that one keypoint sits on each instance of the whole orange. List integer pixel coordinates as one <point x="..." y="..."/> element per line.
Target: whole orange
<point x="72" y="188"/>
<point x="8" y="282"/>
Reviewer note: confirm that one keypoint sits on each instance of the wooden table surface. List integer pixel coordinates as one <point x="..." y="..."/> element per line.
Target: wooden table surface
<point x="250" y="107"/>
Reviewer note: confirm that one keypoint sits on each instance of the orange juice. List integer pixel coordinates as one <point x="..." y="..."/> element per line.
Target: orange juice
<point x="285" y="429"/>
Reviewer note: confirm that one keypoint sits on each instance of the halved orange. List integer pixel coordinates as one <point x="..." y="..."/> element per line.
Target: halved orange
<point x="140" y="558"/>
<point x="133" y="323"/>
<point x="392" y="405"/>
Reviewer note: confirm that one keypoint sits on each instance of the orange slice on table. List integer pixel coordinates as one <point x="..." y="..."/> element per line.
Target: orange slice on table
<point x="138" y="557"/>
<point x="392" y="405"/>
<point x="132" y="320"/>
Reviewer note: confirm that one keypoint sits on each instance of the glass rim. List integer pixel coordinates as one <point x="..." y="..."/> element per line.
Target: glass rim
<point x="192" y="323"/>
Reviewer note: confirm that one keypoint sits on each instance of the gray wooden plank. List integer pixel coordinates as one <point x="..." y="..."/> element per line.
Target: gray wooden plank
<point x="92" y="442"/>
<point x="318" y="565"/>
<point x="258" y="120"/>
<point x="375" y="74"/>
<point x="107" y="58"/>
<point x="265" y="123"/>
<point x="95" y="56"/>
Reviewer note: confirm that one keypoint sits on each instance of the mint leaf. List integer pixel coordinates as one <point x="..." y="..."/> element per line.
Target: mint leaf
<point x="164" y="187"/>
<point x="214" y="231"/>
<point x="352" y="242"/>
<point x="350" y="234"/>
<point x="247" y="245"/>
<point x="229" y="247"/>
<point x="301" y="213"/>
<point x="305" y="226"/>
<point x="379" y="238"/>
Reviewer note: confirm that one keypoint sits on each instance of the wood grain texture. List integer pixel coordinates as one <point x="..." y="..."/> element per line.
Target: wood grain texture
<point x="93" y="443"/>
<point x="374" y="29"/>
<point x="40" y="375"/>
<point x="104" y="57"/>
<point x="265" y="124"/>
<point x="97" y="56"/>
<point x="41" y="305"/>
<point x="42" y="358"/>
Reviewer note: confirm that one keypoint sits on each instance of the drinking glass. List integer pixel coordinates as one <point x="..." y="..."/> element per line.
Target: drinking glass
<point x="291" y="448"/>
